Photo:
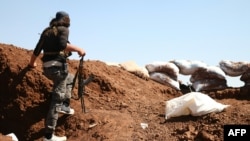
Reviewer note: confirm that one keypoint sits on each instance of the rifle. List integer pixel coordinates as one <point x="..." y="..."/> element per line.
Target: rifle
<point x="81" y="83"/>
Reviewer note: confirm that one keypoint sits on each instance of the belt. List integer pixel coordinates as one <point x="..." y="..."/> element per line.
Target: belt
<point x="54" y="53"/>
<point x="52" y="64"/>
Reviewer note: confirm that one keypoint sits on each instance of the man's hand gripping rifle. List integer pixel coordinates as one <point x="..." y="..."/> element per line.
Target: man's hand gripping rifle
<point x="81" y="83"/>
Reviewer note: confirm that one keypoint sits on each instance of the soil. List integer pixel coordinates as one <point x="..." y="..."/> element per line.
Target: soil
<point x="116" y="103"/>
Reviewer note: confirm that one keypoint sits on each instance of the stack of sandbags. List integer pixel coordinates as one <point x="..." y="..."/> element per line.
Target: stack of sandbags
<point x="188" y="67"/>
<point x="209" y="78"/>
<point x="203" y="77"/>
<point x="234" y="69"/>
<point x="165" y="73"/>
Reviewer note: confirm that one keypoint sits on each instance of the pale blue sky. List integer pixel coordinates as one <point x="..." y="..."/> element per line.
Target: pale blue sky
<point x="141" y="30"/>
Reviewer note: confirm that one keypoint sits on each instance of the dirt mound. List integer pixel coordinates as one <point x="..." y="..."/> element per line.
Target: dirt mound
<point x="117" y="102"/>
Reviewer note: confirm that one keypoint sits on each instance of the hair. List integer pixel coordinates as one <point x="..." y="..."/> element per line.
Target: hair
<point x="65" y="21"/>
<point x="52" y="30"/>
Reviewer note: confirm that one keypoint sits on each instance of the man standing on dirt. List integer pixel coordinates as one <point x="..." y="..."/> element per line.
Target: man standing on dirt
<point x="56" y="48"/>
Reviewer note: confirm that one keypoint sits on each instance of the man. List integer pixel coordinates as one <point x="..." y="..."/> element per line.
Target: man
<point x="56" y="48"/>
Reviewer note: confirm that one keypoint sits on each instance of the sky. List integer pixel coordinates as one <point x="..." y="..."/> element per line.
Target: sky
<point x="143" y="31"/>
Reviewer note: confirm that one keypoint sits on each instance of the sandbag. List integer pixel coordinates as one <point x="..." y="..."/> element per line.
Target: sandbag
<point x="209" y="84"/>
<point x="164" y="79"/>
<point x="13" y="136"/>
<point x="112" y="64"/>
<point x="233" y="68"/>
<point x="193" y="103"/>
<point x="188" y="67"/>
<point x="132" y="67"/>
<point x="209" y="72"/>
<point x="168" y="68"/>
<point x="245" y="77"/>
<point x="247" y="83"/>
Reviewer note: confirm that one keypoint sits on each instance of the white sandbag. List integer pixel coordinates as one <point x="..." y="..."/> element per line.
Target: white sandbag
<point x="164" y="67"/>
<point x="233" y="68"/>
<point x="245" y="77"/>
<point x="13" y="136"/>
<point x="209" y="72"/>
<point x="217" y="71"/>
<point x="144" y="71"/>
<point x="129" y="66"/>
<point x="247" y="83"/>
<point x="193" y="103"/>
<point x="188" y="67"/>
<point x="164" y="79"/>
<point x="112" y="64"/>
<point x="209" y="84"/>
<point x="132" y="67"/>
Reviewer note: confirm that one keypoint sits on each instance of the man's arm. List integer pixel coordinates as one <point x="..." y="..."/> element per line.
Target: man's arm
<point x="74" y="48"/>
<point x="32" y="62"/>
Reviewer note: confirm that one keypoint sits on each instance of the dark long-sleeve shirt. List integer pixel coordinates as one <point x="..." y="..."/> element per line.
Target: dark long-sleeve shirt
<point x="52" y="41"/>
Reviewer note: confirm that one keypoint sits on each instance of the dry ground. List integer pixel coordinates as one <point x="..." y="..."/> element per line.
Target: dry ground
<point x="117" y="102"/>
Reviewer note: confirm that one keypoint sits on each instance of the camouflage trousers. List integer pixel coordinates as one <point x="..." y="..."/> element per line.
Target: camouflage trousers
<point x="62" y="86"/>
